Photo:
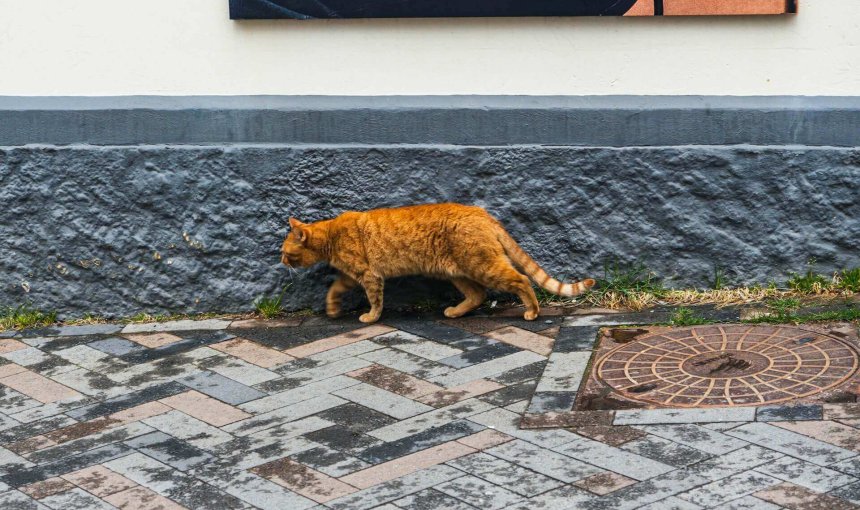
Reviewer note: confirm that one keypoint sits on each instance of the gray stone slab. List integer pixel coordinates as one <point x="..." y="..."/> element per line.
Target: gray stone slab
<point x="479" y="493"/>
<point x="671" y="503"/>
<point x="791" y="443"/>
<point x="505" y="474"/>
<point x="180" y="325"/>
<point x="650" y="491"/>
<point x="668" y="416"/>
<point x="544" y="461"/>
<point x="222" y="388"/>
<point x="696" y="436"/>
<point x="614" y="459"/>
<point x="665" y="451"/>
<point x="429" y="499"/>
<point x="734" y="462"/>
<point x="806" y="474"/>
<point x="435" y="418"/>
<point x="508" y="422"/>
<point x="748" y="503"/>
<point x="789" y="413"/>
<point x="488" y="368"/>
<point x="383" y="401"/>
<point x="75" y="499"/>
<point x="283" y="415"/>
<point x="15" y="500"/>
<point x="727" y="489"/>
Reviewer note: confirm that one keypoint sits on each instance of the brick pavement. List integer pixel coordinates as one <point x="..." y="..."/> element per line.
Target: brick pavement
<point x="417" y="413"/>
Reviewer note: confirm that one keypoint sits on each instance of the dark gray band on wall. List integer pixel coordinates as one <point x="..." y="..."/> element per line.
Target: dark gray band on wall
<point x="615" y="121"/>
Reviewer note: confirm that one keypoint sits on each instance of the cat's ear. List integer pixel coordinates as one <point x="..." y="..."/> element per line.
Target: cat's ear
<point x="298" y="227"/>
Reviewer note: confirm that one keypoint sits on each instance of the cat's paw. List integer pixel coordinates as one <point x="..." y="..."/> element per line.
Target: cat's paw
<point x="368" y="318"/>
<point x="451" y="313"/>
<point x="333" y="314"/>
<point x="530" y="315"/>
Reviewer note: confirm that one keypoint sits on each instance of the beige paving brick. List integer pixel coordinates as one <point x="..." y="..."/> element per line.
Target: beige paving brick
<point x="303" y="480"/>
<point x="31" y="444"/>
<point x="446" y="397"/>
<point x="46" y="488"/>
<point x="82" y="429"/>
<point x="38" y="387"/>
<point x="205" y="408"/>
<point x="394" y="381"/>
<point x="842" y="411"/>
<point x="827" y="431"/>
<point x="604" y="483"/>
<point x="9" y="345"/>
<point x="141" y="412"/>
<point x="523" y="339"/>
<point x="253" y="352"/>
<point x="140" y="498"/>
<point x="407" y="464"/>
<point x="485" y="439"/>
<point x="99" y="480"/>
<point x="347" y="338"/>
<point x="154" y="340"/>
<point x="795" y="497"/>
<point x="10" y="369"/>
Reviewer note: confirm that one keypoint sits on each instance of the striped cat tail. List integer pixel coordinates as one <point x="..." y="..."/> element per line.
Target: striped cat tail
<point x="527" y="264"/>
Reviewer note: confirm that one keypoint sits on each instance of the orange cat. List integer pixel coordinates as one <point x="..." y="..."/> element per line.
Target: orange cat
<point x="460" y="243"/>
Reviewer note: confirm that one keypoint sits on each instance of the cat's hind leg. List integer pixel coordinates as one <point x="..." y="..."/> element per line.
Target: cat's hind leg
<point x="475" y="295"/>
<point x="503" y="276"/>
<point x="373" y="286"/>
<point x="335" y="293"/>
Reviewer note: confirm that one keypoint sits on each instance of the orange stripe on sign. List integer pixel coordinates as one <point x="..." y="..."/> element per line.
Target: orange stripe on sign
<point x="723" y="7"/>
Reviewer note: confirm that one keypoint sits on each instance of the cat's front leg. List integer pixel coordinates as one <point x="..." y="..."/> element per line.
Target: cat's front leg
<point x="373" y="286"/>
<point x="333" y="299"/>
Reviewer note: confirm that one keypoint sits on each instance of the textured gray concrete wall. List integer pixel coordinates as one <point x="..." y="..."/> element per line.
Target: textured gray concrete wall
<point x="118" y="230"/>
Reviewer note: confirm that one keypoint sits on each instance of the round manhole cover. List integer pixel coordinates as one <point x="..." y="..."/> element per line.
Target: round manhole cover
<point x="711" y="366"/>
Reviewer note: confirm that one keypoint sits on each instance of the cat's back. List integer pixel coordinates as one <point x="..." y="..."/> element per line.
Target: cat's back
<point x="428" y="215"/>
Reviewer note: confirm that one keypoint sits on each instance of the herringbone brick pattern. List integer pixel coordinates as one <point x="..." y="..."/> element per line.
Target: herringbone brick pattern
<point x="415" y="413"/>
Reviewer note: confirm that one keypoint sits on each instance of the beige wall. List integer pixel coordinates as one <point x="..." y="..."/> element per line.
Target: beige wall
<point x="178" y="47"/>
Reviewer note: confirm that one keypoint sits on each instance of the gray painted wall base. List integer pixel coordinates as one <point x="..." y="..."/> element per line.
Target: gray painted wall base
<point x="122" y="229"/>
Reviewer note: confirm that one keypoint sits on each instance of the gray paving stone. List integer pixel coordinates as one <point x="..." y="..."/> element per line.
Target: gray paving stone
<point x="481" y="355"/>
<point x="296" y="395"/>
<point x="479" y="493"/>
<point x="238" y="370"/>
<point x="75" y="499"/>
<point x="668" y="416"/>
<point x="222" y="388"/>
<point x="727" y="489"/>
<point x="696" y="436"/>
<point x="734" y="462"/>
<point x="88" y="329"/>
<point x="330" y="461"/>
<point x="430" y="419"/>
<point x="15" y="500"/>
<point x="396" y="489"/>
<point x="650" y="491"/>
<point x="420" y="441"/>
<point x="563" y="498"/>
<point x="564" y="372"/>
<point x="614" y="459"/>
<point x="488" y="368"/>
<point x="169" y="450"/>
<point x="12" y="402"/>
<point x="848" y="466"/>
<point x="116" y="346"/>
<point x="508" y="422"/>
<point x="283" y="415"/>
<point x="383" y="401"/>
<point x="181" y="325"/>
<point x="848" y="493"/>
<point x="665" y="451"/>
<point x="324" y="371"/>
<point x="416" y="345"/>
<point x="551" y="401"/>
<point x="64" y="450"/>
<point x="723" y="426"/>
<point x="189" y="429"/>
<point x="90" y="383"/>
<point x="346" y="351"/>
<point x="811" y="476"/>
<point x="417" y="366"/>
<point x="789" y="413"/>
<point x="26" y="357"/>
<point x="576" y="338"/>
<point x="261" y="493"/>
<point x="791" y="443"/>
<point x="543" y="460"/>
<point x="430" y="499"/>
<point x="748" y="503"/>
<point x="506" y="474"/>
<point x="671" y="503"/>
<point x="89" y="358"/>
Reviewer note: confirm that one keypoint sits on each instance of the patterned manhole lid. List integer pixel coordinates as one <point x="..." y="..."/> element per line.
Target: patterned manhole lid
<point x="710" y="366"/>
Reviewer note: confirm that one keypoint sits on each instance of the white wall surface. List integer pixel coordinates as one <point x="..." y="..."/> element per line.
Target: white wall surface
<point x="190" y="47"/>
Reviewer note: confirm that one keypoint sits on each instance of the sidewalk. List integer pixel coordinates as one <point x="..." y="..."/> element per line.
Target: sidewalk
<point x="413" y="413"/>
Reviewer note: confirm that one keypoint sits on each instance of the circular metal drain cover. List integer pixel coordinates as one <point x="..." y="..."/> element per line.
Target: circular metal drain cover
<point x="710" y="366"/>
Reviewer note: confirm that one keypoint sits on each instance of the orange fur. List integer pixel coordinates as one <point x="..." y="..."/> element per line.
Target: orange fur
<point x="456" y="242"/>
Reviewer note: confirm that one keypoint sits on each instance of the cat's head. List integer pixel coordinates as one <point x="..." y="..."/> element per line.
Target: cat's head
<point x="297" y="249"/>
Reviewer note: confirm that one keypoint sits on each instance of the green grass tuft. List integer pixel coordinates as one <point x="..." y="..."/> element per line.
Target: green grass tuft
<point x="719" y="278"/>
<point x="809" y="282"/>
<point x="687" y="317"/>
<point x="270" y="307"/>
<point x="849" y="280"/>
<point x="25" y="316"/>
